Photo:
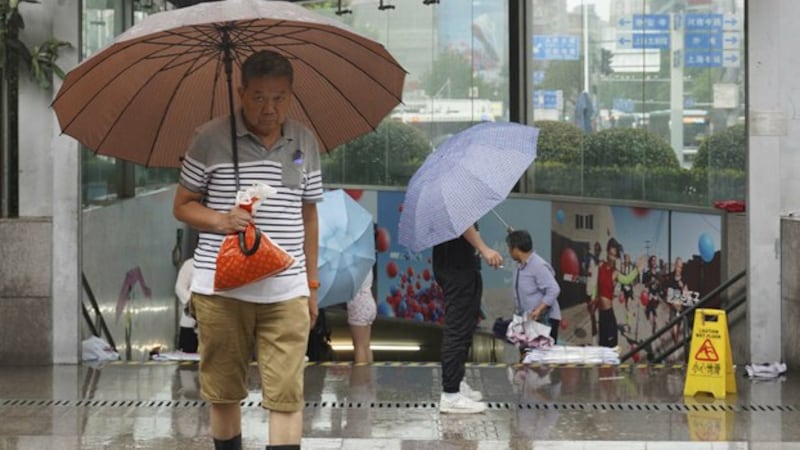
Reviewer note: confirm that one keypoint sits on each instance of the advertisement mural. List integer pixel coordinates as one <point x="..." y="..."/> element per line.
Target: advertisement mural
<point x="655" y="262"/>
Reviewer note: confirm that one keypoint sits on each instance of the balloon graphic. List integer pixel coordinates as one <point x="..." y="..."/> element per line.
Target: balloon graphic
<point x="563" y="324"/>
<point x="644" y="297"/>
<point x="706" y="246"/>
<point x="569" y="262"/>
<point x="419" y="317"/>
<point x="385" y="309"/>
<point x="354" y="193"/>
<point x="426" y="275"/>
<point x="560" y="216"/>
<point x="382" y="240"/>
<point x="639" y="211"/>
<point x="391" y="269"/>
<point x="410" y="271"/>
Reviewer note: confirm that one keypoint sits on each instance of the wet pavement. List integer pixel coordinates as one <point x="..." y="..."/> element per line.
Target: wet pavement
<point x="156" y="405"/>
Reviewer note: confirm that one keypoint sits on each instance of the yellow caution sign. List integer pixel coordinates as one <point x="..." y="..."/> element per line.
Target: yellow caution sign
<point x="710" y="366"/>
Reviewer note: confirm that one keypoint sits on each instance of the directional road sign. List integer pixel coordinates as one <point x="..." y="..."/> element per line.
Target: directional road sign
<point x="643" y="40"/>
<point x="556" y="47"/>
<point x="711" y="22"/>
<point x="713" y="58"/>
<point x="548" y="99"/>
<point x="648" y="22"/>
<point x="711" y="40"/>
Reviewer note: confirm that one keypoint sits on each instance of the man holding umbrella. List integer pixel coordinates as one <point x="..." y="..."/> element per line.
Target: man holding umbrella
<point x="462" y="180"/>
<point x="275" y="312"/>
<point x="457" y="269"/>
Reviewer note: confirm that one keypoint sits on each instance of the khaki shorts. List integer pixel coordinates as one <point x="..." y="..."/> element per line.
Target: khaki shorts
<point x="227" y="329"/>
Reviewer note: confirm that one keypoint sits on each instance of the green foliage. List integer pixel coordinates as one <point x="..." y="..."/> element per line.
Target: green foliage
<point x="723" y="150"/>
<point x="39" y="60"/>
<point x="388" y="156"/>
<point x="559" y="141"/>
<point x="655" y="183"/>
<point x="628" y="147"/>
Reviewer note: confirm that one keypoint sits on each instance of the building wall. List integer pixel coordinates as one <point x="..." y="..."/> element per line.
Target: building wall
<point x="25" y="293"/>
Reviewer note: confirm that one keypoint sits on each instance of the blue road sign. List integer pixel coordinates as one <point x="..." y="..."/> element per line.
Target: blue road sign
<point x="711" y="22"/>
<point x="696" y="40"/>
<point x="643" y="40"/>
<point x="538" y="76"/>
<point x="648" y="22"/>
<point x="713" y="58"/>
<point x="547" y="99"/>
<point x="556" y="47"/>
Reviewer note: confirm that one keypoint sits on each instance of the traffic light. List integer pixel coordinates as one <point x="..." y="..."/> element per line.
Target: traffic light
<point x="605" y="61"/>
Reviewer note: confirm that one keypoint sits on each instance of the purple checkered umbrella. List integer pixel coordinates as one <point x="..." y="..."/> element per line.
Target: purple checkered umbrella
<point x="463" y="179"/>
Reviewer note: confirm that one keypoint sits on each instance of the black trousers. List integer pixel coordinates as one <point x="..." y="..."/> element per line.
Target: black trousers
<point x="554" y="324"/>
<point x="608" y="333"/>
<point x="462" y="301"/>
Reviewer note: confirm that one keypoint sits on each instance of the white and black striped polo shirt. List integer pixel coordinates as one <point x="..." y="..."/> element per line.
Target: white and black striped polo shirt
<point x="292" y="166"/>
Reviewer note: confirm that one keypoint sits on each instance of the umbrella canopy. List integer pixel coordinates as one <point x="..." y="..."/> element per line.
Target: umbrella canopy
<point x="462" y="180"/>
<point x="141" y="97"/>
<point x="346" y="247"/>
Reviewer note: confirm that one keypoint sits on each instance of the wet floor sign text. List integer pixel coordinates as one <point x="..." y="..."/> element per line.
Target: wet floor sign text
<point x="710" y="368"/>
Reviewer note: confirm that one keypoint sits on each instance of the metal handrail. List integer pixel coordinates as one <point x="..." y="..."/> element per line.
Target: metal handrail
<point x="97" y="313"/>
<point x="686" y="312"/>
<point x="687" y="338"/>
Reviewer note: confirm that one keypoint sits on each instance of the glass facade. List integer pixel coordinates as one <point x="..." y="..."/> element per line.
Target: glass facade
<point x="638" y="100"/>
<point x="104" y="178"/>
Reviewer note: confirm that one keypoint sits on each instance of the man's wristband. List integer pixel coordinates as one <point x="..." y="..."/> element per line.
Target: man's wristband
<point x="313" y="284"/>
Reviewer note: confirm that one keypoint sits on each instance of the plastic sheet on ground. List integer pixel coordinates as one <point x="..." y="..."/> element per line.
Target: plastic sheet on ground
<point x="176" y="356"/>
<point x="569" y="354"/>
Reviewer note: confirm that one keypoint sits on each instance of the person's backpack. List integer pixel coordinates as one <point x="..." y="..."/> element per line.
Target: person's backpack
<point x="319" y="340"/>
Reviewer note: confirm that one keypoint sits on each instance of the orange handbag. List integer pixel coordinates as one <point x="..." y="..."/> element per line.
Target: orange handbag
<point x="249" y="255"/>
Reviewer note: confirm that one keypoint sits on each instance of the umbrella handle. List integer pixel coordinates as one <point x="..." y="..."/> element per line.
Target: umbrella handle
<point x="256" y="244"/>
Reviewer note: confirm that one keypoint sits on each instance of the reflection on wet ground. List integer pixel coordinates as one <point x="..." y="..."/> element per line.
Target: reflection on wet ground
<point x="394" y="405"/>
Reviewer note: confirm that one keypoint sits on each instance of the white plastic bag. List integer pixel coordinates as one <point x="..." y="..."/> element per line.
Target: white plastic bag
<point x="97" y="349"/>
<point x="528" y="333"/>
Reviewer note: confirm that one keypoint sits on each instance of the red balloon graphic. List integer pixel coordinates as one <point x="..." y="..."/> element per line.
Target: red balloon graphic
<point x="354" y="193"/>
<point x="410" y="271"/>
<point x="639" y="211"/>
<point x="426" y="275"/>
<point x="621" y="297"/>
<point x="391" y="269"/>
<point x="569" y="262"/>
<point x="644" y="297"/>
<point x="563" y="324"/>
<point x="382" y="240"/>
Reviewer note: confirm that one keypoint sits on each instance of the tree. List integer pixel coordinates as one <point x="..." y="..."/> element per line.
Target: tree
<point x="560" y="142"/>
<point x="387" y="156"/>
<point x="628" y="148"/>
<point x="723" y="150"/>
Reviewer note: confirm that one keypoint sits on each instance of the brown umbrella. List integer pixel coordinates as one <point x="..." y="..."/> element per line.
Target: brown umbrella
<point x="141" y="98"/>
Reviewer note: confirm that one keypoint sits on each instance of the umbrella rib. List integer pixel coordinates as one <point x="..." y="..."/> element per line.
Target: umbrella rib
<point x="196" y="64"/>
<point x="122" y="110"/>
<point x="315" y="44"/>
<point x="86" y="104"/>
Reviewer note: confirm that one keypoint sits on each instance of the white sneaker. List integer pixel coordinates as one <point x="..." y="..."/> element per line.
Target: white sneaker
<point x="470" y="393"/>
<point x="460" y="404"/>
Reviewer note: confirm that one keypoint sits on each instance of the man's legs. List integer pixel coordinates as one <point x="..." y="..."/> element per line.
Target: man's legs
<point x="225" y="328"/>
<point x="462" y="296"/>
<point x="282" y="333"/>
<point x="285" y="428"/>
